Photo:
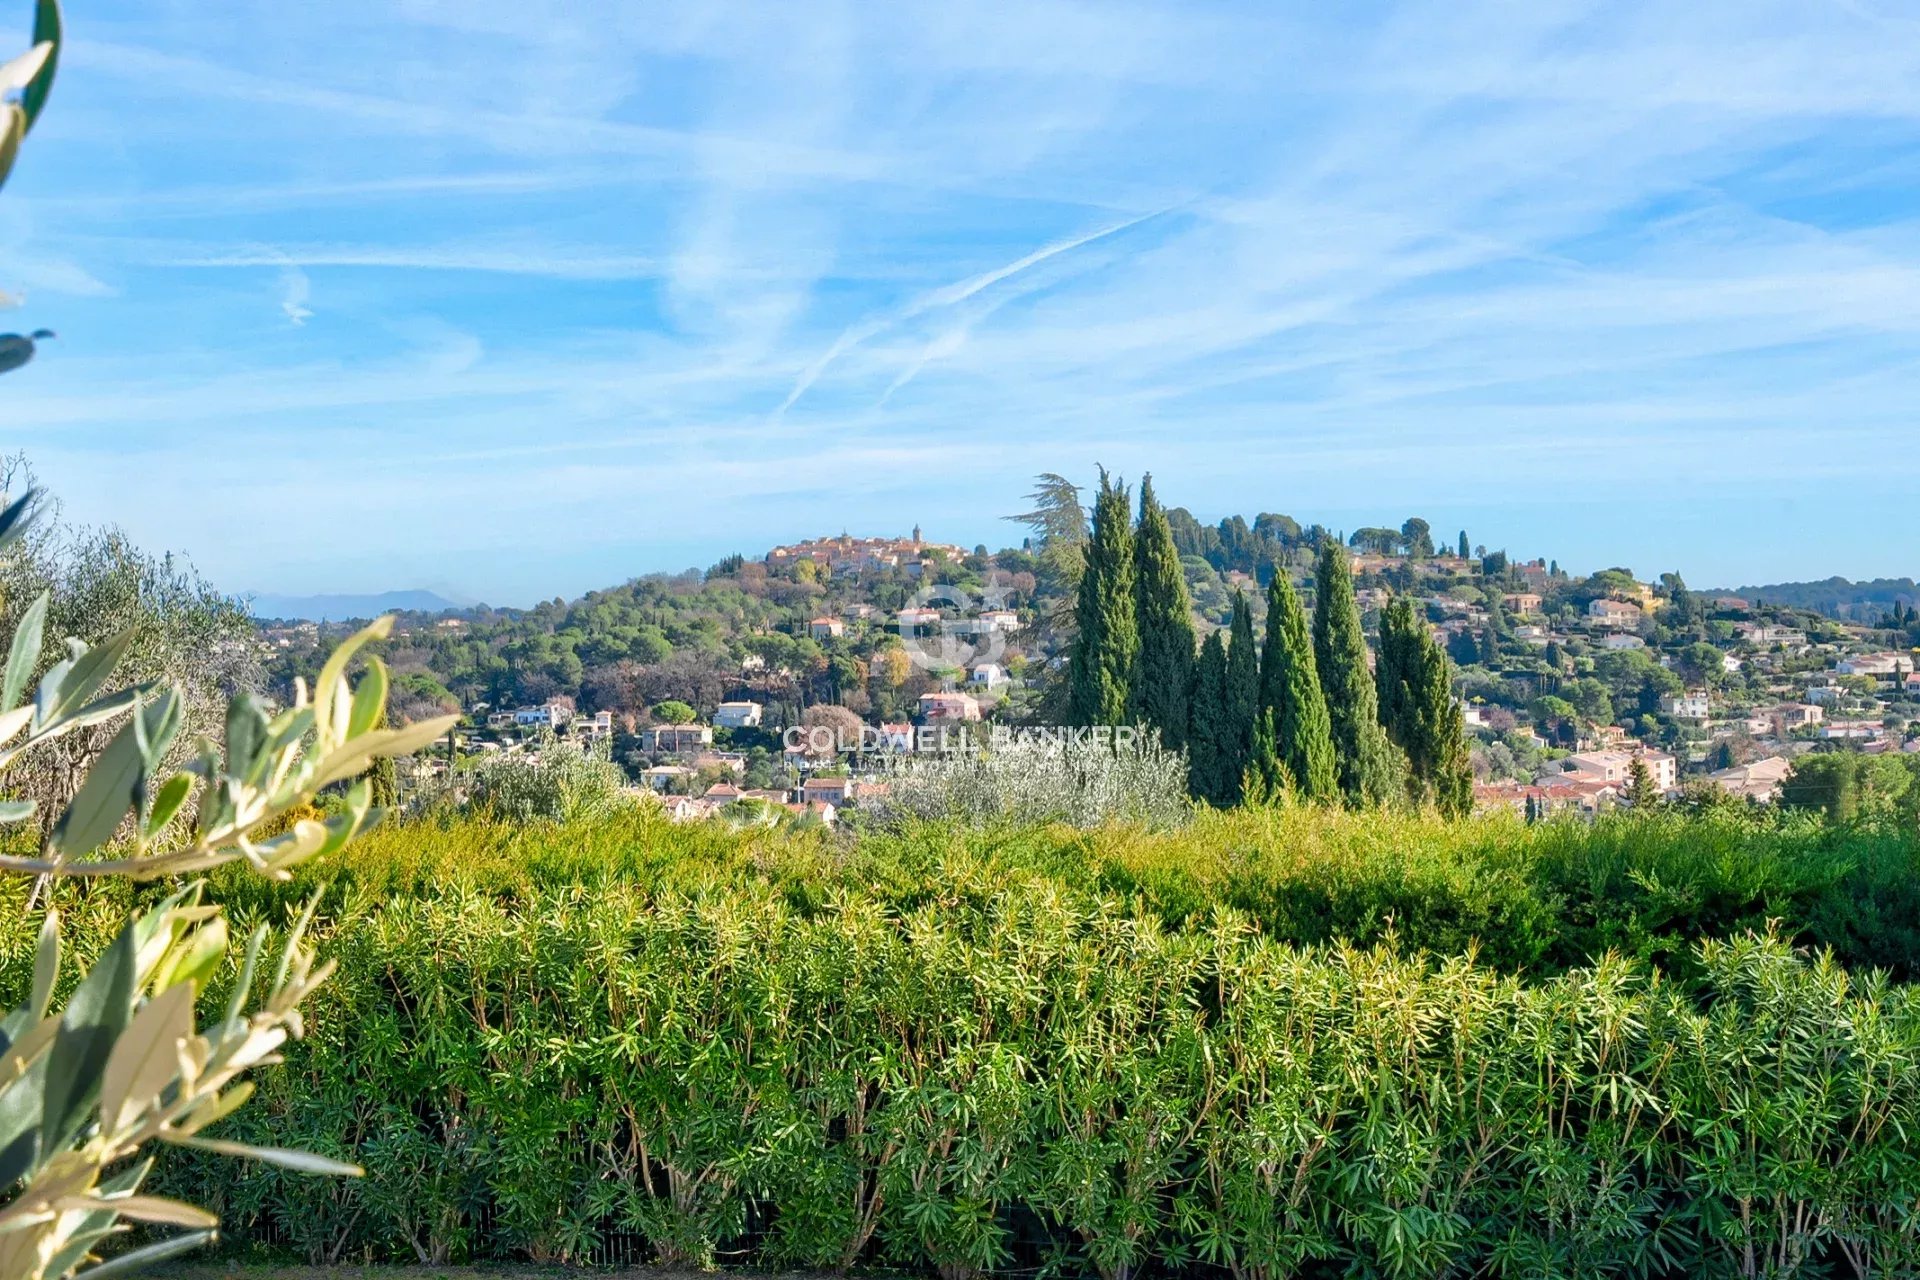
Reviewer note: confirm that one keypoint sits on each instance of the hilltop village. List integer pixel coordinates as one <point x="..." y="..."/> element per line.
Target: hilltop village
<point x="692" y="682"/>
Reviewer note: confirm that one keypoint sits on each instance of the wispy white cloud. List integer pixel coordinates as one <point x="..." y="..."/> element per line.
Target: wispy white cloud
<point x="1514" y="259"/>
<point x="505" y="261"/>
<point x="295" y="291"/>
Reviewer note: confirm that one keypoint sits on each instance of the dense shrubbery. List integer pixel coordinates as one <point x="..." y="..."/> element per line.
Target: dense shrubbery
<point x="1037" y="1082"/>
<point x="1533" y="899"/>
<point x="960" y="1051"/>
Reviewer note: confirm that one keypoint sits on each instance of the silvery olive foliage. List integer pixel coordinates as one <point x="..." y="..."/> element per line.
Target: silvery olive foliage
<point x="25" y="82"/>
<point x="87" y="1088"/>
<point x="556" y="781"/>
<point x="178" y="629"/>
<point x="1083" y="784"/>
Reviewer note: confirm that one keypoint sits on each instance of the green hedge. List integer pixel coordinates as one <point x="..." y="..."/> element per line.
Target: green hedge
<point x="1534" y="900"/>
<point x="955" y="1055"/>
<point x="1039" y="1083"/>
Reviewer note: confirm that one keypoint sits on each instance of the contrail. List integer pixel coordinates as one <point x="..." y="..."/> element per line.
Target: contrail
<point x="946" y="296"/>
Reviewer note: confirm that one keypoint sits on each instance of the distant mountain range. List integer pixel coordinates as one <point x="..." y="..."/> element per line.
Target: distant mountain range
<point x="345" y="607"/>
<point x="1837" y="597"/>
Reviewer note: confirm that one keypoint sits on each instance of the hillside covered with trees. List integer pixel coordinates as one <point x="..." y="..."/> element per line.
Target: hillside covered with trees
<point x="1151" y="616"/>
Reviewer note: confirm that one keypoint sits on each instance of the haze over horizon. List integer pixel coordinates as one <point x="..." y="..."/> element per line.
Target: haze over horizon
<point x="563" y="298"/>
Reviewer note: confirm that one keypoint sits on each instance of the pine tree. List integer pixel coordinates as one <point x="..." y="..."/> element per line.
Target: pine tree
<point x="1370" y="772"/>
<point x="1162" y="677"/>
<point x="1101" y="666"/>
<point x="1418" y="711"/>
<point x="1242" y="703"/>
<point x="1057" y="531"/>
<point x="1291" y="699"/>
<point x="1207" y="719"/>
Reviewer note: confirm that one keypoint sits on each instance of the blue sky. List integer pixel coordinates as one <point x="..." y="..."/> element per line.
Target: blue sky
<point x="516" y="299"/>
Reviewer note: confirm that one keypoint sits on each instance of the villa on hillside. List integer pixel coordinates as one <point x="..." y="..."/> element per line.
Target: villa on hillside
<point x="987" y="675"/>
<point x="1552" y="793"/>
<point x="948" y="708"/>
<point x="1757" y="781"/>
<point x="833" y="789"/>
<point x="1875" y="664"/>
<point x="674" y="739"/>
<point x="663" y="776"/>
<point x="1614" y="613"/>
<point x="1691" y="705"/>
<point x="548" y="715"/>
<point x="1789" y="716"/>
<point x="1617" y="766"/>
<point x="1765" y="635"/>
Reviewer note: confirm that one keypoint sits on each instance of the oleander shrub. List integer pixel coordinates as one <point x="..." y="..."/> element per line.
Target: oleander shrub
<point x="1272" y="1044"/>
<point x="1097" y="1052"/>
<point x="1040" y="1080"/>
<point x="1533" y="900"/>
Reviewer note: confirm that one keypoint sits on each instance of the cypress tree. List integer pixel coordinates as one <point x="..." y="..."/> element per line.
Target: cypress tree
<point x="1391" y="674"/>
<point x="383" y="782"/>
<point x="1162" y="677"/>
<point x="1463" y="546"/>
<point x="1242" y="703"/>
<point x="1208" y="714"/>
<point x="1290" y="697"/>
<point x="1642" y="794"/>
<point x="1452" y="776"/>
<point x="1102" y="658"/>
<point x="1265" y="779"/>
<point x="1419" y="713"/>
<point x="1370" y="773"/>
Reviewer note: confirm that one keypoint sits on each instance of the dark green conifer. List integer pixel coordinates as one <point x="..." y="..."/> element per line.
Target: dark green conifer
<point x="1370" y="770"/>
<point x="1207" y="710"/>
<point x="1162" y="678"/>
<point x="1643" y="794"/>
<point x="1242" y="701"/>
<point x="1291" y="698"/>
<point x="1265" y="779"/>
<point x="383" y="784"/>
<point x="1418" y="710"/>
<point x="1102" y="658"/>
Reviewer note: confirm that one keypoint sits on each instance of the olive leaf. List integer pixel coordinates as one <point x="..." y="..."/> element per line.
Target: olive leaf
<point x="147" y="1056"/>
